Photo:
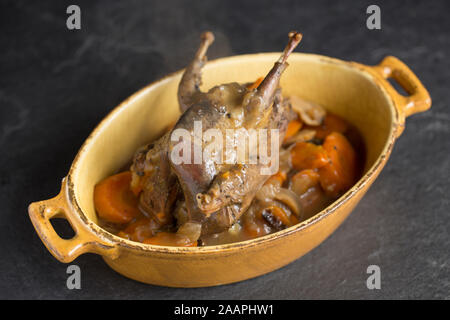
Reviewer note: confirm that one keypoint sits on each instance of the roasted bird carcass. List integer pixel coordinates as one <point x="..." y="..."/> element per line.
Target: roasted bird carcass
<point x="209" y="195"/>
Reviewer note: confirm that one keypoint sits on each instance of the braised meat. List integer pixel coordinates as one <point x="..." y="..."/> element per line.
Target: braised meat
<point x="211" y="191"/>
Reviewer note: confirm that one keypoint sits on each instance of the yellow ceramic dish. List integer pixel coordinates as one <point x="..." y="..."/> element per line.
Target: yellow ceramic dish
<point x="359" y="93"/>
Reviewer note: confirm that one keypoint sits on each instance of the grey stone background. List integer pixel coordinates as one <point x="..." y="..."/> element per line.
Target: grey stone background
<point x="56" y="85"/>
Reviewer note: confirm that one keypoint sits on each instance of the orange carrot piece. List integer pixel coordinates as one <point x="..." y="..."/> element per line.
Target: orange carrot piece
<point x="293" y="127"/>
<point x="255" y="84"/>
<point x="114" y="200"/>
<point x="331" y="123"/>
<point x="305" y="155"/>
<point x="340" y="173"/>
<point x="170" y="239"/>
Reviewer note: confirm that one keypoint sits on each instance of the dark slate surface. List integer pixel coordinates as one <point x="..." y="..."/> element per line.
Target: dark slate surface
<point x="56" y="84"/>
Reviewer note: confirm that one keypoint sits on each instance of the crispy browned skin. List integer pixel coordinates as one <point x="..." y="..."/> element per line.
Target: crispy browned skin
<point x="215" y="194"/>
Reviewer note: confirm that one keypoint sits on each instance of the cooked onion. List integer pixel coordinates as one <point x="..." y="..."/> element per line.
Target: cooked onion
<point x="267" y="192"/>
<point x="291" y="200"/>
<point x="311" y="113"/>
<point x="302" y="181"/>
<point x="285" y="160"/>
<point x="270" y="192"/>
<point x="190" y="230"/>
<point x="235" y="229"/>
<point x="301" y="136"/>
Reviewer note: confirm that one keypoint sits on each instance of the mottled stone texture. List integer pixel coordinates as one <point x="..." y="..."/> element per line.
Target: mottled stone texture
<point x="55" y="85"/>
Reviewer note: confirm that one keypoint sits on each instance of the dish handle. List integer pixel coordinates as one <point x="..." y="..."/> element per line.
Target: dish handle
<point x="418" y="99"/>
<point x="66" y="250"/>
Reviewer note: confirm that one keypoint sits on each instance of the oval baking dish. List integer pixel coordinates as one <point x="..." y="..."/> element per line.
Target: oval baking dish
<point x="359" y="93"/>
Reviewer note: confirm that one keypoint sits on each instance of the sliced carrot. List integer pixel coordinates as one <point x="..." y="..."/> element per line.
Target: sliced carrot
<point x="255" y="84"/>
<point x="170" y="239"/>
<point x="339" y="174"/>
<point x="331" y="123"/>
<point x="293" y="127"/>
<point x="306" y="155"/>
<point x="114" y="200"/>
<point x="304" y="180"/>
